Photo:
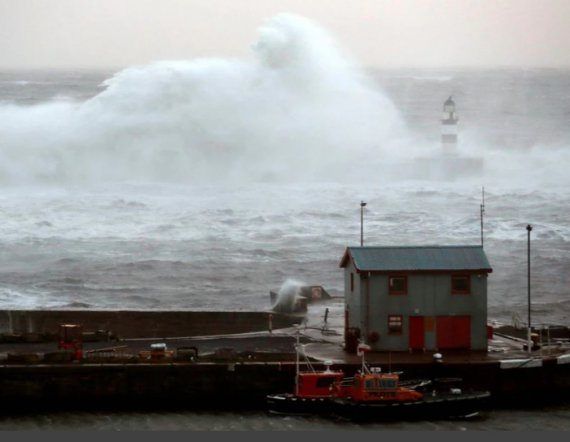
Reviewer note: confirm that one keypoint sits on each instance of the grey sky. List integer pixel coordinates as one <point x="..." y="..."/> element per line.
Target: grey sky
<point x="377" y="33"/>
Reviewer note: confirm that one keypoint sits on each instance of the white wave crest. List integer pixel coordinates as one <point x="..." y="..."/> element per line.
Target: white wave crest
<point x="299" y="110"/>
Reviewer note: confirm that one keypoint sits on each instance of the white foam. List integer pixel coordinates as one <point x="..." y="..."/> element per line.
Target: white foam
<point x="299" y="110"/>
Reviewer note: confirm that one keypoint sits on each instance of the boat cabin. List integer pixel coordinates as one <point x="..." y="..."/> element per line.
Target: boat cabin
<point x="317" y="384"/>
<point x="376" y="386"/>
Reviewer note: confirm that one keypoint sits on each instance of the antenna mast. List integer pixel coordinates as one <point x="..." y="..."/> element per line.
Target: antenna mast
<point x="482" y="211"/>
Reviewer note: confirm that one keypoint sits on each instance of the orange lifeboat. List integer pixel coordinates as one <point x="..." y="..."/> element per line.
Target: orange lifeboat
<point x="313" y="389"/>
<point x="373" y="395"/>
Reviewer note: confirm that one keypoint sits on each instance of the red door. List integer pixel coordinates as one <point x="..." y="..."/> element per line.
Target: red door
<point x="417" y="332"/>
<point x="453" y="332"/>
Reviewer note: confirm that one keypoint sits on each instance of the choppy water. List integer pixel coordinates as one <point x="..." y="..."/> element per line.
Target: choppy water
<point x="546" y="419"/>
<point x="208" y="247"/>
<point x="204" y="184"/>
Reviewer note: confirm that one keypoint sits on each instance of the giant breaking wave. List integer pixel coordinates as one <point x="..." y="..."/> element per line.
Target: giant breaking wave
<point x="299" y="109"/>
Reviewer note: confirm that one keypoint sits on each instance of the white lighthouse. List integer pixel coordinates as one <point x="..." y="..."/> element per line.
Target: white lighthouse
<point x="449" y="128"/>
<point x="449" y="163"/>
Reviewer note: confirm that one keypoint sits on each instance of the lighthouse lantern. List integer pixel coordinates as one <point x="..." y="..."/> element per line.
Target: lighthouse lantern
<point x="449" y="106"/>
<point x="449" y="127"/>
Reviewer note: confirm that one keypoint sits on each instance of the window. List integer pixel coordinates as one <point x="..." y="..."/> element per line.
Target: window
<point x="352" y="282"/>
<point x="398" y="285"/>
<point x="460" y="285"/>
<point x="325" y="382"/>
<point x="395" y="324"/>
<point x="387" y="383"/>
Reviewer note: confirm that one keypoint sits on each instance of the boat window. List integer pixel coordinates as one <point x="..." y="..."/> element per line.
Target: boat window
<point x="460" y="284"/>
<point x="398" y="285"/>
<point x="388" y="383"/>
<point x="325" y="382"/>
<point x="370" y="384"/>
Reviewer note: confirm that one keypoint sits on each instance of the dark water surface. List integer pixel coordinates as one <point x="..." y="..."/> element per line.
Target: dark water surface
<point x="543" y="419"/>
<point x="550" y="418"/>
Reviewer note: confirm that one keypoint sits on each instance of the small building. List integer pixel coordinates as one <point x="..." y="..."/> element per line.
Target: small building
<point x="416" y="298"/>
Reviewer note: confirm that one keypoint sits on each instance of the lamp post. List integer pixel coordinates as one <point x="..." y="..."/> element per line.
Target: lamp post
<point x="528" y="229"/>
<point x="362" y="205"/>
<point x="482" y="207"/>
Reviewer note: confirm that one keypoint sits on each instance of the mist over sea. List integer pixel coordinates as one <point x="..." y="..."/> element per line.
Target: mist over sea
<point x="203" y="184"/>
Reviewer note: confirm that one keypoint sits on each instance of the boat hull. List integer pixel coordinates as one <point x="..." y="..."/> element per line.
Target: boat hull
<point x="291" y="404"/>
<point x="439" y="406"/>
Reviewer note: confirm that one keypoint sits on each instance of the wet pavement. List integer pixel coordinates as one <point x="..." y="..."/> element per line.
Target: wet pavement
<point x="321" y="333"/>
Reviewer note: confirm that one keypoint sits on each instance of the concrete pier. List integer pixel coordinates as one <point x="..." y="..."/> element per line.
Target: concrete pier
<point x="236" y="370"/>
<point x="142" y="323"/>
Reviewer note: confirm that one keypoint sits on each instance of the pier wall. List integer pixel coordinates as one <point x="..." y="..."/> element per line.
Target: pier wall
<point x="157" y="386"/>
<point x="229" y="385"/>
<point x="144" y="324"/>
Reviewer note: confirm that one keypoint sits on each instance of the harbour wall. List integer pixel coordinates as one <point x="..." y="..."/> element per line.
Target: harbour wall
<point x="125" y="324"/>
<point x="232" y="385"/>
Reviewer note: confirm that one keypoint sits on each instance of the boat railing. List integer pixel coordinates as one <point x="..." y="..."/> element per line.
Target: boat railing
<point x="415" y="384"/>
<point x="346" y="381"/>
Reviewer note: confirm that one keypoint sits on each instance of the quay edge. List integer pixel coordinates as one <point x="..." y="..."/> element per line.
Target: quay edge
<point x="243" y="384"/>
<point x="142" y="323"/>
<point x="238" y="380"/>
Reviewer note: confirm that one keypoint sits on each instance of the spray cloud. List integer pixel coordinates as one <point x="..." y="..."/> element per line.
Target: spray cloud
<point x="299" y="110"/>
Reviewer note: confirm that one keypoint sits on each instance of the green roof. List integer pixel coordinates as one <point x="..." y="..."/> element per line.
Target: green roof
<point x="427" y="258"/>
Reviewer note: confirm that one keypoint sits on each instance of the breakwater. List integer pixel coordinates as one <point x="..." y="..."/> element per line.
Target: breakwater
<point x="124" y="324"/>
<point x="231" y="384"/>
<point x="229" y="371"/>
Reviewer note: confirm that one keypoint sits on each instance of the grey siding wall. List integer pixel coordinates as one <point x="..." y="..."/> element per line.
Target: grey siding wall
<point x="352" y="298"/>
<point x="429" y="295"/>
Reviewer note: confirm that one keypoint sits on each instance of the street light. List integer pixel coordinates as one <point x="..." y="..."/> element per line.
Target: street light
<point x="362" y="205"/>
<point x="528" y="229"/>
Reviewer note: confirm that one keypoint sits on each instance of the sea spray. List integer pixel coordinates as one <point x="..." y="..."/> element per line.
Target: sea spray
<point x="299" y="110"/>
<point x="287" y="296"/>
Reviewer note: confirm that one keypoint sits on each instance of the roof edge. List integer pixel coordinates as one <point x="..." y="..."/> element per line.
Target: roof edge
<point x="417" y="247"/>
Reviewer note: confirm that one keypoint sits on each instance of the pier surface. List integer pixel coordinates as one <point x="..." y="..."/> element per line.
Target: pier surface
<point x="253" y="356"/>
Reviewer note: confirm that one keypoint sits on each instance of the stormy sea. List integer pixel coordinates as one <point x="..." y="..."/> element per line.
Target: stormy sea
<point x="203" y="184"/>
